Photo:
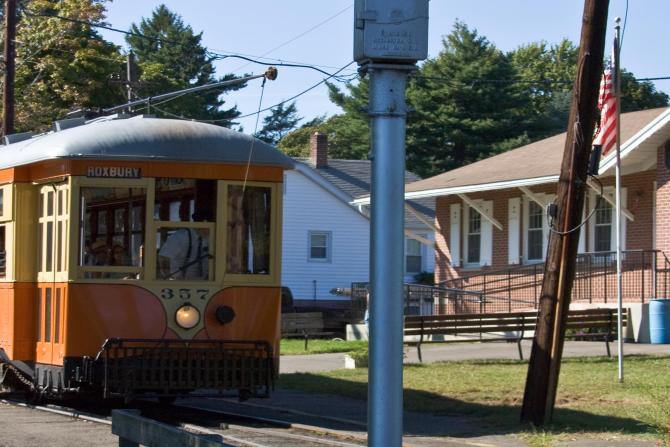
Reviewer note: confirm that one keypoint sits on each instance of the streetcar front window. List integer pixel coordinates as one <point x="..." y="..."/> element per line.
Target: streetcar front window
<point x="185" y="216"/>
<point x="112" y="232"/>
<point x="249" y="229"/>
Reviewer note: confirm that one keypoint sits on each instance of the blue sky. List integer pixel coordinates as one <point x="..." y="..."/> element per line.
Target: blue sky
<point x="258" y="27"/>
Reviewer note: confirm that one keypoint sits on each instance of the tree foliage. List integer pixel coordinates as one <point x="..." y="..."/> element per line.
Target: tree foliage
<point x="471" y="101"/>
<point x="62" y="66"/>
<point x="172" y="57"/>
<point x="460" y="117"/>
<point x="280" y="122"/>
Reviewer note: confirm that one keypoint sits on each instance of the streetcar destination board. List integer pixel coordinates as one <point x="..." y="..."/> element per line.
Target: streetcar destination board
<point x="113" y="172"/>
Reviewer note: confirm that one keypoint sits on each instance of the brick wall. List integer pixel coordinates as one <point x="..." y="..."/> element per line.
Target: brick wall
<point x="663" y="200"/>
<point x="638" y="232"/>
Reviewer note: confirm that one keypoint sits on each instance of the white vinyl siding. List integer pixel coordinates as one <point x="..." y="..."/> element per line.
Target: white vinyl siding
<point x="309" y="207"/>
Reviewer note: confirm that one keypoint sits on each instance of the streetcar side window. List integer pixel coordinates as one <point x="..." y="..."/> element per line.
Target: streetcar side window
<point x="112" y="232"/>
<point x="249" y="229"/>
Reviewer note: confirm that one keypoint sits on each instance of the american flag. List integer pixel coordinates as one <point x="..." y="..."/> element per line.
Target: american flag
<point x="606" y="134"/>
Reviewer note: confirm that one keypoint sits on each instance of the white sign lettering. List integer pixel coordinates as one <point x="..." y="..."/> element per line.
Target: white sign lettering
<point x="113" y="172"/>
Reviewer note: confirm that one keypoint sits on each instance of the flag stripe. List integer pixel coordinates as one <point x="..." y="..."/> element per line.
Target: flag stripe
<point x="606" y="133"/>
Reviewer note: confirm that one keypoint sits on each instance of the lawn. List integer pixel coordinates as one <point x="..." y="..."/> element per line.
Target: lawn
<point x="296" y="346"/>
<point x="590" y="401"/>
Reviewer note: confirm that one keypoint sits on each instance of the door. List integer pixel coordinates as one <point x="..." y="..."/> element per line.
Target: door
<point x="52" y="273"/>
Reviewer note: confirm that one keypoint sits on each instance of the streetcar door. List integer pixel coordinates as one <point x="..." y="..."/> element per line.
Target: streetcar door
<point x="52" y="272"/>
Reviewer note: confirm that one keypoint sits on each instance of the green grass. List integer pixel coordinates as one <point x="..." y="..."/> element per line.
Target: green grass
<point x="590" y="402"/>
<point x="296" y="346"/>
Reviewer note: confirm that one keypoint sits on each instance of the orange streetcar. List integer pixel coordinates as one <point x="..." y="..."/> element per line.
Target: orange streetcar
<point x="140" y="256"/>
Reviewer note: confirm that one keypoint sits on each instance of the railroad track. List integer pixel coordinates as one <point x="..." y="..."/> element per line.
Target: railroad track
<point x="234" y="429"/>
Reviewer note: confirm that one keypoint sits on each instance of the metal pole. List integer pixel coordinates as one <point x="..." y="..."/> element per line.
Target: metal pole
<point x="619" y="298"/>
<point x="9" y="54"/>
<point x="387" y="113"/>
<point x="267" y="74"/>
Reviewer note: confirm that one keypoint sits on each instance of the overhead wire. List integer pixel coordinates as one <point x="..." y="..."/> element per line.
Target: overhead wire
<point x="293" y="39"/>
<point x="312" y="87"/>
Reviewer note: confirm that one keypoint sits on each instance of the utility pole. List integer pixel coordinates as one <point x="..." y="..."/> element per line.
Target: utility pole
<point x="390" y="36"/>
<point x="9" y="55"/>
<point x="545" y="359"/>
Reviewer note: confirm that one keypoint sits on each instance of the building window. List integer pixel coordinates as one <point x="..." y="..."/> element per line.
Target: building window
<point x="535" y="233"/>
<point x="474" y="237"/>
<point x="602" y="229"/>
<point x="412" y="256"/>
<point x="319" y="246"/>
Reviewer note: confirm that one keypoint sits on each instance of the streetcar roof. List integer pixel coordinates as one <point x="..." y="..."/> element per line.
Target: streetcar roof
<point x="142" y="138"/>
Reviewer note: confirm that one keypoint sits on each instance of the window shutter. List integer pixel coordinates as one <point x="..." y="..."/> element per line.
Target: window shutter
<point x="455" y="234"/>
<point x="486" y="256"/>
<point x="549" y="198"/>
<point x="513" y="245"/>
<point x="624" y="221"/>
<point x="581" y="248"/>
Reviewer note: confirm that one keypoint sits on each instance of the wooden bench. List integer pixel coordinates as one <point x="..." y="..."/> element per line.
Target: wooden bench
<point x="511" y="327"/>
<point x="303" y="325"/>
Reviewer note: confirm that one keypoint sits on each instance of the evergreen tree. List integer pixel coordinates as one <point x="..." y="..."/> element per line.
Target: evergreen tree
<point x="280" y="122"/>
<point x="545" y="74"/>
<point x="172" y="57"/>
<point x="460" y="116"/>
<point x="60" y="65"/>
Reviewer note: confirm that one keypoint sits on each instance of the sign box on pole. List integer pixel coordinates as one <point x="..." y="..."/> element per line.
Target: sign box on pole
<point x="393" y="31"/>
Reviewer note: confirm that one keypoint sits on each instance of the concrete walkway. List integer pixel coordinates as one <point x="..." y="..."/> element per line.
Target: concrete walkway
<point x="468" y="351"/>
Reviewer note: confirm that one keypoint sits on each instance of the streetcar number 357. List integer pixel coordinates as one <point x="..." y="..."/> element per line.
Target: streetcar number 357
<point x="169" y="293"/>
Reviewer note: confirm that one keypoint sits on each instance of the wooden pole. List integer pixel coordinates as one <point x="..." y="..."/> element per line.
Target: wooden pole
<point x="559" y="272"/>
<point x="9" y="55"/>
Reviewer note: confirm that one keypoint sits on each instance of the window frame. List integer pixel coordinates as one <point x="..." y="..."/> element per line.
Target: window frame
<point x="420" y="255"/>
<point x="328" y="246"/>
<point x="592" y="198"/>
<point x="61" y="252"/>
<point x="79" y="271"/>
<point x="526" y="227"/>
<point x="251" y="279"/>
<point x="218" y="238"/>
<point x="466" y="237"/>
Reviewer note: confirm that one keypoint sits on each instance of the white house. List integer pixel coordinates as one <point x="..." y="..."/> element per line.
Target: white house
<point x="326" y="239"/>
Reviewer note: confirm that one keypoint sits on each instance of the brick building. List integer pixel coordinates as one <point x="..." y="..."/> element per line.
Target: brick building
<point x="492" y="229"/>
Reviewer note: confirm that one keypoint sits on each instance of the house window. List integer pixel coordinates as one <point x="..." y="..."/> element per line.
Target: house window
<point x="412" y="256"/>
<point x="319" y="246"/>
<point x="535" y="234"/>
<point x="602" y="229"/>
<point x="474" y="237"/>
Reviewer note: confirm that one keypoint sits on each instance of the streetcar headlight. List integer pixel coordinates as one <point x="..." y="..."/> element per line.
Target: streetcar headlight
<point x="187" y="316"/>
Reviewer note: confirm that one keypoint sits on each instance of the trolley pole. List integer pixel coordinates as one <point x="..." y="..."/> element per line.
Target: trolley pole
<point x="9" y="55"/>
<point x="390" y="36"/>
